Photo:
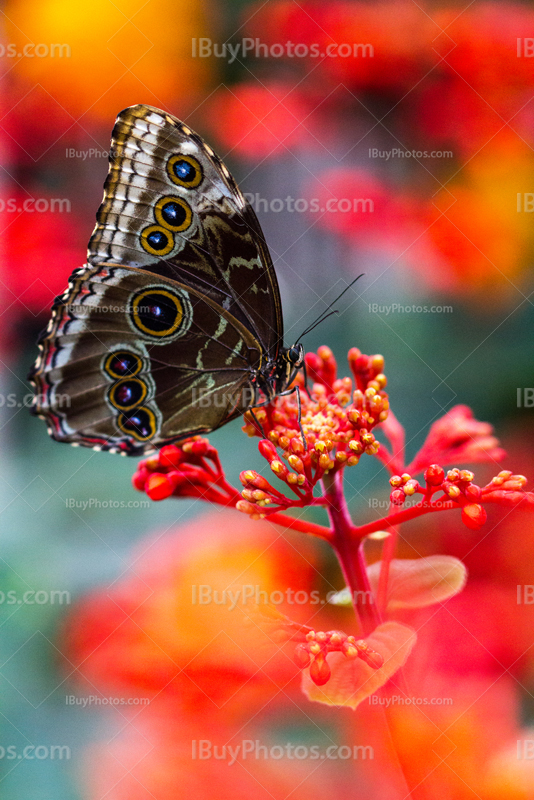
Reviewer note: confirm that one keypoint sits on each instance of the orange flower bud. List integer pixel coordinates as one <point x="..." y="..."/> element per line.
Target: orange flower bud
<point x="397" y="497"/>
<point x="296" y="463"/>
<point x="246" y="507"/>
<point x="474" y="516"/>
<point x="267" y="449"/>
<point x="170" y="456"/>
<point x="302" y="656"/>
<point x="279" y="469"/>
<point x="158" y="486"/>
<point x="325" y="462"/>
<point x="473" y="492"/>
<point x="320" y="671"/>
<point x="372" y="658"/>
<point x="434" y="475"/>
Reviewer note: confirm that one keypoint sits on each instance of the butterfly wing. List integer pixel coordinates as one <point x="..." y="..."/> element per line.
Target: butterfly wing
<point x="171" y="207"/>
<point x="131" y="361"/>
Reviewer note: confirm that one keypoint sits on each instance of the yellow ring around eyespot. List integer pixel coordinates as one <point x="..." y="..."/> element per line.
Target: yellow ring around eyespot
<point x="190" y="160"/>
<point x="158" y="208"/>
<point x="109" y="359"/>
<point x="117" y="385"/>
<point x="131" y="432"/>
<point x="148" y="247"/>
<point x="177" y="304"/>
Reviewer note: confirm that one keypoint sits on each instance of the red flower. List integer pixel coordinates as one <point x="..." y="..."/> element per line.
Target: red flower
<point x="257" y="121"/>
<point x="43" y="246"/>
<point x="310" y="440"/>
<point x="388" y="57"/>
<point x="459" y="438"/>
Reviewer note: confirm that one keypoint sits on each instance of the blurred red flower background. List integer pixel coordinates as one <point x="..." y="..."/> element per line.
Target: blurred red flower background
<point x="405" y="132"/>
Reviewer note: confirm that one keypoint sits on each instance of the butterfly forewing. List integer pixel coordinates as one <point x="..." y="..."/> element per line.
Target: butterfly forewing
<point x="218" y="248"/>
<point x="166" y="331"/>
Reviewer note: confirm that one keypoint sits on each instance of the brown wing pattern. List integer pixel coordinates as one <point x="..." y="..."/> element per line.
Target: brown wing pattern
<point x="217" y="249"/>
<point x="132" y="360"/>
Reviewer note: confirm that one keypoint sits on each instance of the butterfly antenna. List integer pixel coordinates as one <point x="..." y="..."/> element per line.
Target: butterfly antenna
<point x="327" y="313"/>
<point x="318" y="322"/>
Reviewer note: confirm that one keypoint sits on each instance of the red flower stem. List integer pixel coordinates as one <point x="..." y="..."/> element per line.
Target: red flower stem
<point x="215" y="474"/>
<point x="388" y="552"/>
<point x="214" y="496"/>
<point x="394" y="431"/>
<point x="385" y="457"/>
<point x="358" y="532"/>
<point x="351" y="558"/>
<point x="301" y="525"/>
<point x="523" y="500"/>
<point x="223" y="485"/>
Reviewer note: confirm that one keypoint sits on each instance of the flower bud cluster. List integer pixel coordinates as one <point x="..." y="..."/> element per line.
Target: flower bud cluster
<point x="508" y="489"/>
<point x="313" y="651"/>
<point x="336" y="421"/>
<point x="457" y="486"/>
<point x="189" y="469"/>
<point x="313" y="646"/>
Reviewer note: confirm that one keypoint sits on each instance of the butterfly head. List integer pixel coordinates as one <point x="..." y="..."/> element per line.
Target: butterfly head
<point x="295" y="356"/>
<point x="292" y="360"/>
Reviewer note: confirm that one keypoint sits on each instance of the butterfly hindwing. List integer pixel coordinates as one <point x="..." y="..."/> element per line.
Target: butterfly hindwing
<point x="131" y="360"/>
<point x="171" y="206"/>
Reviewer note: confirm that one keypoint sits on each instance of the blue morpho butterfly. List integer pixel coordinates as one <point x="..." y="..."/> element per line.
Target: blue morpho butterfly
<point x="174" y="326"/>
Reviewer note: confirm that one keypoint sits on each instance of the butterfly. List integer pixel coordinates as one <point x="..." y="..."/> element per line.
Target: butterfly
<point x="174" y="326"/>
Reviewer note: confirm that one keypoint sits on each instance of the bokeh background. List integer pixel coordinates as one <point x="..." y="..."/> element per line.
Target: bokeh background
<point x="449" y="229"/>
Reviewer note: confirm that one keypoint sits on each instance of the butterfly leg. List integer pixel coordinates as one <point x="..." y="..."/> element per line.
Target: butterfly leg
<point x="258" y="423"/>
<point x="304" y="442"/>
<point x="306" y="379"/>
<point x="299" y="404"/>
